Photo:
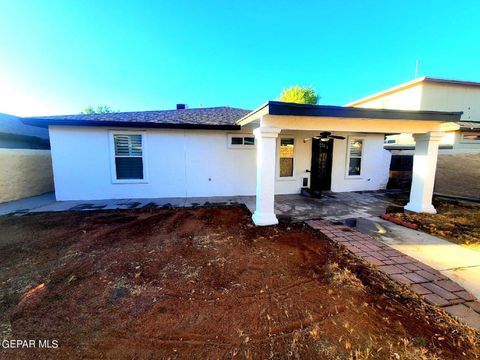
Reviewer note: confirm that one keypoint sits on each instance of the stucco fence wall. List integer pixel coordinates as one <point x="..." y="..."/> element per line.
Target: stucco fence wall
<point x="24" y="172"/>
<point x="458" y="175"/>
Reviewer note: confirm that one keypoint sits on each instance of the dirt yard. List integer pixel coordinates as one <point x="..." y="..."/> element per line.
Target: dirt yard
<point x="458" y="223"/>
<point x="204" y="283"/>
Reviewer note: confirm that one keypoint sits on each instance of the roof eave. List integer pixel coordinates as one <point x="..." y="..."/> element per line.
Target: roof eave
<point x="125" y="124"/>
<point x="255" y="114"/>
<point x="293" y="109"/>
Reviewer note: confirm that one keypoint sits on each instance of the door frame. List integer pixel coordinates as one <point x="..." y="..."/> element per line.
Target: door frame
<point x="316" y="185"/>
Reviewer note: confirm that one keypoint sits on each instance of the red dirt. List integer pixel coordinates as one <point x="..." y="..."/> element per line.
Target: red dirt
<point x="458" y="223"/>
<point x="201" y="283"/>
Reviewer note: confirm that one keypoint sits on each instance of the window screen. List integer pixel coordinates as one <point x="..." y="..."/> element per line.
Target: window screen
<point x="355" y="147"/>
<point x="128" y="156"/>
<point x="286" y="157"/>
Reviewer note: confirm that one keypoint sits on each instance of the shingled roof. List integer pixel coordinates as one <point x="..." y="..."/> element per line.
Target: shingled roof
<point x="195" y="118"/>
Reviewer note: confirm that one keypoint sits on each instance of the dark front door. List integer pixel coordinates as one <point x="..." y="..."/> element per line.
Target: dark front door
<point x="321" y="169"/>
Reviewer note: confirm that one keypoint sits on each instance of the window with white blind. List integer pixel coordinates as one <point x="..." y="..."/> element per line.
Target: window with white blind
<point x="286" y="156"/>
<point x="354" y="156"/>
<point x="128" y="154"/>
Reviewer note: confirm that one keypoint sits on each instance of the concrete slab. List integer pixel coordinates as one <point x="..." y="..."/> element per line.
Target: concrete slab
<point x="468" y="277"/>
<point x="27" y="204"/>
<point x="215" y="200"/>
<point x="59" y="206"/>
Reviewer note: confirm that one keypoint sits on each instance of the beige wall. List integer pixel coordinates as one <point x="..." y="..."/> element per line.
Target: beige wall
<point x="407" y="99"/>
<point x="431" y="96"/>
<point x="446" y="97"/>
<point x="437" y="97"/>
<point x="24" y="173"/>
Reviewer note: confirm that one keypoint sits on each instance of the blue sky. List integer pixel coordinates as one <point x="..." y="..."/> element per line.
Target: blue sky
<point x="62" y="56"/>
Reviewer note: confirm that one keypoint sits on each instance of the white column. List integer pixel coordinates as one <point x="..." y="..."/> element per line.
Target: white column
<point x="424" y="167"/>
<point x="266" y="138"/>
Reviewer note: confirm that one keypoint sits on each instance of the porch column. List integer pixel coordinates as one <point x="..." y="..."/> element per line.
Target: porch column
<point x="424" y="167"/>
<point x="266" y="138"/>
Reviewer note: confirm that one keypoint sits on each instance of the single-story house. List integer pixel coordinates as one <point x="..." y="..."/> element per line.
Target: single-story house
<point x="278" y="148"/>
<point x="429" y="93"/>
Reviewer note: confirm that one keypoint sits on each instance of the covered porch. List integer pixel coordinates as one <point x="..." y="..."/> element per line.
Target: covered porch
<point x="339" y="207"/>
<point x="276" y="119"/>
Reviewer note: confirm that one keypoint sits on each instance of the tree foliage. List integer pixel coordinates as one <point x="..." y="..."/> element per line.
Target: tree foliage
<point x="100" y="109"/>
<point x="299" y="94"/>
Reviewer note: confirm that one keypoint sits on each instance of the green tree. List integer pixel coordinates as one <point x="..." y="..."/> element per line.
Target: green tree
<point x="300" y="95"/>
<point x="100" y="109"/>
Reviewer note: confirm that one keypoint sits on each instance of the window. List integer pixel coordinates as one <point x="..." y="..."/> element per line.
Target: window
<point x="248" y="140"/>
<point x="237" y="140"/>
<point x="355" y="149"/>
<point x="287" y="146"/>
<point x="241" y="141"/>
<point x="128" y="150"/>
<point x="471" y="137"/>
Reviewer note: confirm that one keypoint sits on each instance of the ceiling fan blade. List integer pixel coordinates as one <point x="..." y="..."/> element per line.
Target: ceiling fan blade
<point x="317" y="137"/>
<point x="336" y="137"/>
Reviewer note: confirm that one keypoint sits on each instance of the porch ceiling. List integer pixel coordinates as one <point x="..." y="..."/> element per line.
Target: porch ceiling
<point x="291" y="116"/>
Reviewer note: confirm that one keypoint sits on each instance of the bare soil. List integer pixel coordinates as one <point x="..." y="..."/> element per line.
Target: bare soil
<point x="204" y="283"/>
<point x="455" y="222"/>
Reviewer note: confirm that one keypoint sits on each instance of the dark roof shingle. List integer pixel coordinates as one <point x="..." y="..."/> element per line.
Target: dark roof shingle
<point x="195" y="118"/>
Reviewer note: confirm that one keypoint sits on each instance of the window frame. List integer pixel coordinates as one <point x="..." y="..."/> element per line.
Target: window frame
<point x="241" y="146"/>
<point x="113" y="169"/>
<point x="362" y="158"/>
<point x="279" y="143"/>
<point x="466" y="141"/>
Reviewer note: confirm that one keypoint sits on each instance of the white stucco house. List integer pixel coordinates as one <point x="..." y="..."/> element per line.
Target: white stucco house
<point x="278" y="148"/>
<point x="429" y="93"/>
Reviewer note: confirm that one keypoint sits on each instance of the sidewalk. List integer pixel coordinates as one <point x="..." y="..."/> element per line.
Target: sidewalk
<point x="458" y="263"/>
<point x="434" y="286"/>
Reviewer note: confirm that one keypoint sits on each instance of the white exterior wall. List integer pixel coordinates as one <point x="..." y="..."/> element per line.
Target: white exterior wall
<point x="374" y="169"/>
<point x="375" y="163"/>
<point x="195" y="163"/>
<point x="178" y="163"/>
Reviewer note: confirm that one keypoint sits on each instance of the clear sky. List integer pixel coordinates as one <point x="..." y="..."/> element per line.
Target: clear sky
<point x="58" y="57"/>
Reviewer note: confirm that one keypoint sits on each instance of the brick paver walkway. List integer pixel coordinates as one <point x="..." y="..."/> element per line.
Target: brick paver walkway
<point x="422" y="279"/>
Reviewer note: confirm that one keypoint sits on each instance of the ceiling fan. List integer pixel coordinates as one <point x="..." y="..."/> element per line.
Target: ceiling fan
<point x="325" y="136"/>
